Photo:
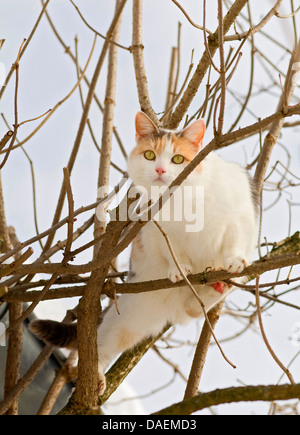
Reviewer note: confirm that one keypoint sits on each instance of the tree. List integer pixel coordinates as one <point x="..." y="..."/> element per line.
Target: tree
<point x="213" y="88"/>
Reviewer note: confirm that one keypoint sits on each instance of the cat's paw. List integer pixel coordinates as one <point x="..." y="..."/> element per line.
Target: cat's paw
<point x="174" y="274"/>
<point x="218" y="287"/>
<point x="235" y="265"/>
<point x="101" y="384"/>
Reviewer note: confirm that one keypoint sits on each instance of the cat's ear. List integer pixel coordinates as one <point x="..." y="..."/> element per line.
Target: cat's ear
<point x="144" y="127"/>
<point x="195" y="133"/>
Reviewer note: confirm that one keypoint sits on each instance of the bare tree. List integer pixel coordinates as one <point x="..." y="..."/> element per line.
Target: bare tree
<point x="212" y="88"/>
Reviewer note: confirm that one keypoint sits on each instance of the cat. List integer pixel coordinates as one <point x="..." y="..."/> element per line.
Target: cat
<point x="226" y="241"/>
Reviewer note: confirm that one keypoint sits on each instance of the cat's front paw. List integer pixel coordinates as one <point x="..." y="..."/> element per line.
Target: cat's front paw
<point x="101" y="384"/>
<point x="174" y="274"/>
<point x="235" y="265"/>
<point x="218" y="287"/>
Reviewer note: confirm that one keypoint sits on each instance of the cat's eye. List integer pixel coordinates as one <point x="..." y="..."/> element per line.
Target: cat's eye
<point x="178" y="160"/>
<point x="150" y="155"/>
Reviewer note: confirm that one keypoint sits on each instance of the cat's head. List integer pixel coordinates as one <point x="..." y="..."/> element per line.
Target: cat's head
<point x="161" y="155"/>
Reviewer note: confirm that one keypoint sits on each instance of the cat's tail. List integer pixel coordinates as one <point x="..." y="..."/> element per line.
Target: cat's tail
<point x="55" y="333"/>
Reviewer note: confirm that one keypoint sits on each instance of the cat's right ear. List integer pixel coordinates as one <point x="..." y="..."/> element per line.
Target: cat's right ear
<point x="195" y="133"/>
<point x="144" y="127"/>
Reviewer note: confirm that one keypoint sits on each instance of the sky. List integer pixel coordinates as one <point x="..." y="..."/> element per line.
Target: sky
<point x="47" y="75"/>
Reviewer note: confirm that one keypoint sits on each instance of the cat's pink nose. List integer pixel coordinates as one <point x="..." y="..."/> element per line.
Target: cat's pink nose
<point x="160" y="171"/>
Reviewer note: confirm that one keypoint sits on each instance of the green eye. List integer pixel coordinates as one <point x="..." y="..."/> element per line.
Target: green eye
<point x="178" y="160"/>
<point x="150" y="155"/>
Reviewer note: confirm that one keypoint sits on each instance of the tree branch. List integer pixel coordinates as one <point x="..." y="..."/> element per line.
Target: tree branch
<point x="204" y="64"/>
<point x="233" y="395"/>
<point x="107" y="135"/>
<point x="202" y="350"/>
<point x="28" y="40"/>
<point x="85" y="117"/>
<point x="259" y="26"/>
<point x="285" y="254"/>
<point x="138" y="58"/>
<point x="272" y="137"/>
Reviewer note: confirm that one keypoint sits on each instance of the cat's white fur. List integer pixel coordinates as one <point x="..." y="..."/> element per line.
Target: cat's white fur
<point x="226" y="242"/>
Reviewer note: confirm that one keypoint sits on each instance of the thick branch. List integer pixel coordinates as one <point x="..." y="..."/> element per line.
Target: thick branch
<point x="257" y="268"/>
<point x="201" y="351"/>
<point x="233" y="395"/>
<point x="107" y="135"/>
<point x="285" y="256"/>
<point x="139" y="64"/>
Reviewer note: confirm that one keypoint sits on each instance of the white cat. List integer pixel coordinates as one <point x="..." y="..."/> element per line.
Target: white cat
<point x="225" y="238"/>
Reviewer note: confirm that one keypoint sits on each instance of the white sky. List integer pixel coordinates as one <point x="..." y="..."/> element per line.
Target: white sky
<point x="47" y="74"/>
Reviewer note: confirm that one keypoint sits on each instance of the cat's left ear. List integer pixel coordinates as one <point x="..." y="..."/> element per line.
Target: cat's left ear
<point x="144" y="127"/>
<point x="195" y="133"/>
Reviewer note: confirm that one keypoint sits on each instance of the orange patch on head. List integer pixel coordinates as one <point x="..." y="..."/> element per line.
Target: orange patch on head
<point x="156" y="144"/>
<point x="185" y="148"/>
<point x="159" y="144"/>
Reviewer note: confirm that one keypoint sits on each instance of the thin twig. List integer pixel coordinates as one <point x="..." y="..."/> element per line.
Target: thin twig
<point x="205" y="40"/>
<point x="171" y="91"/>
<point x="245" y="105"/>
<point x="101" y="109"/>
<point x="289" y="15"/>
<point x="35" y="119"/>
<point x="192" y="289"/>
<point x="30" y="309"/>
<point x="189" y="18"/>
<point x="274" y="132"/>
<point x="70" y="217"/>
<point x="15" y="108"/>
<point x="175" y="100"/>
<point x="222" y="68"/>
<point x="7" y="270"/>
<point x="259" y="26"/>
<point x="276" y="359"/>
<point x="84" y="117"/>
<point x="139" y="64"/>
<point x="33" y="185"/>
<point x="107" y="136"/>
<point x="62" y="377"/>
<point x="59" y="104"/>
<point x="6" y="138"/>
<point x="204" y="65"/>
<point x="111" y="41"/>
<point x="64" y="221"/>
<point x="68" y="51"/>
<point x="28" y="40"/>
